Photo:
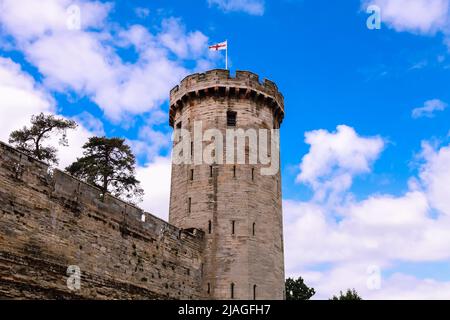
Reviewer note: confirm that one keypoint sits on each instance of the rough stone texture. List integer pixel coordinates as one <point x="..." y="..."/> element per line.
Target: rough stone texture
<point x="49" y="222"/>
<point x="242" y="259"/>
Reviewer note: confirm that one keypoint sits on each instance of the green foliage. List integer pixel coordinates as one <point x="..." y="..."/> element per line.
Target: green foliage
<point x="29" y="140"/>
<point x="109" y="164"/>
<point x="298" y="290"/>
<point x="349" y="295"/>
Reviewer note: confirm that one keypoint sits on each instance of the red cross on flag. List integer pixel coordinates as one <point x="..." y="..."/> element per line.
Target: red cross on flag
<point x="219" y="46"/>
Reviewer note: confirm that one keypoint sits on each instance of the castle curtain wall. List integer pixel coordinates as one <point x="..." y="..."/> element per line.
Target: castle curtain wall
<point x="52" y="224"/>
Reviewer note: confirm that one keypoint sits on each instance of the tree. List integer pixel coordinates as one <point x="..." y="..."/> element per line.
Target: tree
<point x="109" y="164"/>
<point x="349" y="295"/>
<point x="298" y="290"/>
<point x="29" y="140"/>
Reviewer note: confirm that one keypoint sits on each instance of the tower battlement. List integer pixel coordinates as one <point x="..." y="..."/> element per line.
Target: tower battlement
<point x="219" y="82"/>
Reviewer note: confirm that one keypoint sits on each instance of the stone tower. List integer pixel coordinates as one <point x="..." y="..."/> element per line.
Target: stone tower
<point x="238" y="207"/>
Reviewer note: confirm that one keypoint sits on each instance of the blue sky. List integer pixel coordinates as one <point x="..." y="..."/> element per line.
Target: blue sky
<point x="350" y="89"/>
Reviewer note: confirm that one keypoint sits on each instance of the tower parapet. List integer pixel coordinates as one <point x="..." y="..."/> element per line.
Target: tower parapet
<point x="219" y="82"/>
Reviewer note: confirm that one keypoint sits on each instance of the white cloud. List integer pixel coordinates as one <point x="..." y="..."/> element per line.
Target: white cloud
<point x="20" y="98"/>
<point x="405" y="287"/>
<point x="150" y="143"/>
<point x="87" y="61"/>
<point x="398" y="286"/>
<point x="253" y="7"/>
<point x="334" y="158"/>
<point x="380" y="230"/>
<point x="435" y="175"/>
<point x="29" y="20"/>
<point x="417" y="16"/>
<point x="429" y="109"/>
<point x="183" y="44"/>
<point x="142" y="12"/>
<point x="155" y="180"/>
<point x="91" y="123"/>
<point x="76" y="138"/>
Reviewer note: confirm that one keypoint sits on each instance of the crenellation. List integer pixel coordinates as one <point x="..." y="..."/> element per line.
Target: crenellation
<point x="220" y="82"/>
<point x="68" y="187"/>
<point x="271" y="86"/>
<point x="247" y="76"/>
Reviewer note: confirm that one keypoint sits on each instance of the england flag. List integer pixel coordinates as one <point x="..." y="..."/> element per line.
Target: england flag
<point x="219" y="46"/>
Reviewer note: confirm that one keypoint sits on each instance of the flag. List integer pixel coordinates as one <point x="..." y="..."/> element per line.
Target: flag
<point x="219" y="46"/>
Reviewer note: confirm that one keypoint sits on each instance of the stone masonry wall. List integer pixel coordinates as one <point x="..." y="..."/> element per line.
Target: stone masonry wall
<point x="49" y="222"/>
<point x="247" y="262"/>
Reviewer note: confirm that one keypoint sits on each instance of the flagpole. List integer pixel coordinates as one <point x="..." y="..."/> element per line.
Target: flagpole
<point x="226" y="56"/>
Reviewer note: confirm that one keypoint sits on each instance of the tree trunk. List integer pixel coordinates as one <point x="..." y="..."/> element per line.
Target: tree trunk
<point x="105" y="176"/>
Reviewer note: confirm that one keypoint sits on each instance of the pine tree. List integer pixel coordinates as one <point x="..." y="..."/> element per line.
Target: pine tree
<point x="109" y="164"/>
<point x="30" y="140"/>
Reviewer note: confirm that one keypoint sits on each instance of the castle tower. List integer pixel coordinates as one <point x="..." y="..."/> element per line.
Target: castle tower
<point x="237" y="206"/>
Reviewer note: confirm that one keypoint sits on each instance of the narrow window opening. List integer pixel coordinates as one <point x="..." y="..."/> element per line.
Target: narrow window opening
<point x="233" y="224"/>
<point x="209" y="227"/>
<point x="254" y="228"/>
<point x="192" y="174"/>
<point x="192" y="149"/>
<point x="231" y="118"/>
<point x="189" y="205"/>
<point x="254" y="292"/>
<point x="179" y="125"/>
<point x="253" y="174"/>
<point x="210" y="171"/>
<point x="232" y="290"/>
<point x="234" y="171"/>
<point x="209" y="288"/>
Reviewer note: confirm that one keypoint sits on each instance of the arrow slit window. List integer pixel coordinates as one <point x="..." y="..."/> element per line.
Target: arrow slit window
<point x="231" y="118"/>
